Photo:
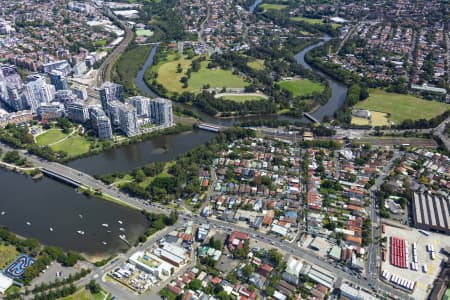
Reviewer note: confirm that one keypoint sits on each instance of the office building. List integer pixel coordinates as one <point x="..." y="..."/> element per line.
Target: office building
<point x="110" y="91"/>
<point x="161" y="111"/>
<point x="58" y="79"/>
<point x="128" y="120"/>
<point x="100" y="123"/>
<point x="77" y="111"/>
<point x="38" y="92"/>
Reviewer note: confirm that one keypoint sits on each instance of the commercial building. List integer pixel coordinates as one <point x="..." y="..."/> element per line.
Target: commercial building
<point x="77" y="111"/>
<point x="172" y="254"/>
<point x="161" y="111"/>
<point x="352" y="293"/>
<point x="109" y="92"/>
<point x="128" y="120"/>
<point x="431" y="212"/>
<point x="100" y="123"/>
<point x="58" y="79"/>
<point x="112" y="111"/>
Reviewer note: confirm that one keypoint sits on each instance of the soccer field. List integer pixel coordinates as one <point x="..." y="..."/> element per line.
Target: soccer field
<point x="402" y="107"/>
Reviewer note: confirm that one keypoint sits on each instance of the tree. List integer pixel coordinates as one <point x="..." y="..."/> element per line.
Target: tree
<point x="93" y="287"/>
<point x="247" y="270"/>
<point x="195" y="284"/>
<point x="275" y="257"/>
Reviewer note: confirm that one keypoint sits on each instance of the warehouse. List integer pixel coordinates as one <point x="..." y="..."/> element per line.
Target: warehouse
<point x="431" y="212"/>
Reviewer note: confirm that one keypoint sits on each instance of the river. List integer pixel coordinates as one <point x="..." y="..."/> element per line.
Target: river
<point x="49" y="204"/>
<point x="338" y="91"/>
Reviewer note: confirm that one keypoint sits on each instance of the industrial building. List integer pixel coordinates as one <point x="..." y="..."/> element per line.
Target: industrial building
<point x="431" y="212"/>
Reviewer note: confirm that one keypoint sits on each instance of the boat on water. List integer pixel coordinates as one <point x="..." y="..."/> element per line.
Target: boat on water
<point x="122" y="236"/>
<point x="80" y="232"/>
<point x="104" y="243"/>
<point x="51" y="228"/>
<point x="81" y="216"/>
<point x="3" y="213"/>
<point x="28" y="223"/>
<point x="108" y="231"/>
<point x="122" y="229"/>
<point x="105" y="225"/>
<point x="120" y="222"/>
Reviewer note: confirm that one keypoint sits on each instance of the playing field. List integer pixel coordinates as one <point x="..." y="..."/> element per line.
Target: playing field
<point x="376" y="119"/>
<point x="50" y="136"/>
<point x="216" y="78"/>
<point x="268" y="6"/>
<point x="74" y="145"/>
<point x="301" y="87"/>
<point x="312" y="21"/>
<point x="256" y="64"/>
<point x="242" y="98"/>
<point x="7" y="255"/>
<point x="144" y="32"/>
<point x="402" y="107"/>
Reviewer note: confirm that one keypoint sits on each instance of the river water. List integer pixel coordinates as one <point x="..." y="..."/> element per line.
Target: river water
<point x="48" y="203"/>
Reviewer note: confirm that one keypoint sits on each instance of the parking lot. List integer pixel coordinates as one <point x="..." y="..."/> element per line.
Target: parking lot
<point x="423" y="280"/>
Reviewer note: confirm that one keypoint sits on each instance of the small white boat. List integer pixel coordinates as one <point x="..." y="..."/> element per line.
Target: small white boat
<point x="81" y="216"/>
<point x="105" y="225"/>
<point x="122" y="229"/>
<point x="122" y="236"/>
<point x="104" y="243"/>
<point x="3" y="213"/>
<point x="80" y="232"/>
<point x="51" y="228"/>
<point x="120" y="222"/>
<point x="28" y="223"/>
<point x="108" y="231"/>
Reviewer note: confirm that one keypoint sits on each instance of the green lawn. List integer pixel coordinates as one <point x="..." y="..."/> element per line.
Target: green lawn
<point x="402" y="107"/>
<point x="164" y="173"/>
<point x="50" y="136"/>
<point x="74" y="145"/>
<point x="312" y="21"/>
<point x="446" y="295"/>
<point x="268" y="6"/>
<point x="82" y="294"/>
<point x="241" y="98"/>
<point x="256" y="64"/>
<point x="7" y="254"/>
<point x="301" y="87"/>
<point x="144" y="32"/>
<point x="307" y="20"/>
<point x="216" y="78"/>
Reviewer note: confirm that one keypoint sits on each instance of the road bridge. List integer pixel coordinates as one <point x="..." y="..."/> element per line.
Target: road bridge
<point x="61" y="178"/>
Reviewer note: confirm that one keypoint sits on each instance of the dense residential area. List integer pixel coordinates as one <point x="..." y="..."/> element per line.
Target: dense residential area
<point x="224" y="149"/>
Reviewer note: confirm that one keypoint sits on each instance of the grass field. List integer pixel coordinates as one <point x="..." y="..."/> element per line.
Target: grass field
<point x="74" y="145"/>
<point x="402" y="107"/>
<point x="256" y="64"/>
<point x="301" y="87"/>
<point x="241" y="98"/>
<point x="268" y="6"/>
<point x="50" y="136"/>
<point x="84" y="294"/>
<point x="216" y="78"/>
<point x="312" y="21"/>
<point x="7" y="255"/>
<point x="144" y="32"/>
<point x="376" y="119"/>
